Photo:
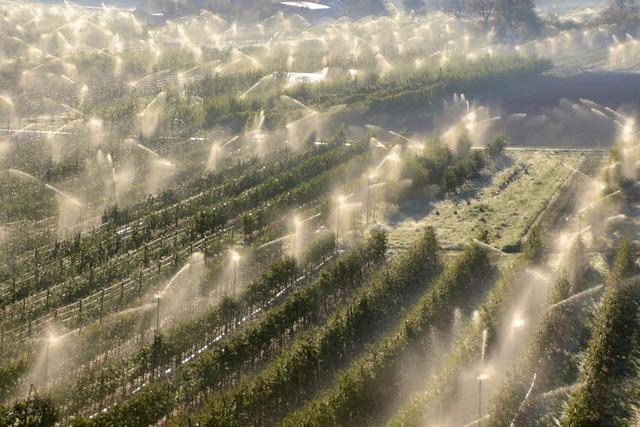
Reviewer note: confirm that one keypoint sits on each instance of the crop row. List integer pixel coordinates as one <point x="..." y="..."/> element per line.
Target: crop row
<point x="464" y="351"/>
<point x="610" y="353"/>
<point x="103" y="245"/>
<point x="210" y="368"/>
<point x="125" y="330"/>
<point x="547" y="356"/>
<point x="470" y="74"/>
<point x="467" y="349"/>
<point x="290" y="379"/>
<point x="362" y="390"/>
<point x="202" y="329"/>
<point x="21" y="362"/>
<point x="29" y="255"/>
<point x="259" y="206"/>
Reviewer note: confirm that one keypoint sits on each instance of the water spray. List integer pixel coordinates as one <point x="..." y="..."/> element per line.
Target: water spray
<point x="379" y="144"/>
<point x="524" y="401"/>
<point x="576" y="297"/>
<point x="235" y="258"/>
<point x="596" y="182"/>
<point x="148" y="150"/>
<point x="600" y="200"/>
<point x="487" y="246"/>
<point x="235" y="138"/>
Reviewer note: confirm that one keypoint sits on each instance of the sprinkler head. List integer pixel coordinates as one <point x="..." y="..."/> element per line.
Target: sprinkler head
<point x="476" y="316"/>
<point x="393" y="157"/>
<point x="518" y="322"/>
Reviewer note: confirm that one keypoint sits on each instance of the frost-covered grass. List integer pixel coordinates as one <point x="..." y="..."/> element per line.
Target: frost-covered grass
<point x="503" y="207"/>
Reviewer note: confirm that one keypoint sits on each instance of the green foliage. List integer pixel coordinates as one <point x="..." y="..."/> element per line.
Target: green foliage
<point x="623" y="13"/>
<point x="140" y="245"/>
<point x="497" y="145"/>
<point x="577" y="266"/>
<point x="534" y="246"/>
<point x="263" y="195"/>
<point x="624" y="265"/>
<point x="547" y="356"/>
<point x="180" y="338"/>
<point x="359" y="392"/>
<point x="465" y="351"/>
<point x="308" y="188"/>
<point x="418" y="6"/>
<point x="597" y="400"/>
<point x="511" y="15"/>
<point x="212" y="369"/>
<point x="438" y="166"/>
<point x="34" y="412"/>
<point x="290" y="378"/>
<point x="462" y="171"/>
<point x="10" y="372"/>
<point x="460" y="76"/>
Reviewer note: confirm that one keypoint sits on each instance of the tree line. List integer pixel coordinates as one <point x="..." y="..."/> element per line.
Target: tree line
<point x="507" y="16"/>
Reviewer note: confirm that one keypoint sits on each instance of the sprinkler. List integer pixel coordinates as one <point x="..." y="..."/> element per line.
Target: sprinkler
<point x="235" y="257"/>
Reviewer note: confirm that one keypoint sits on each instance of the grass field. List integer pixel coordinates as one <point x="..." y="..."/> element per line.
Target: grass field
<point x="504" y="203"/>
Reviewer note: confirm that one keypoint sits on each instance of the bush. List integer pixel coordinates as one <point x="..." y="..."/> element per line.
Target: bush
<point x="534" y="246"/>
<point x="496" y="147"/>
<point x="35" y="412"/>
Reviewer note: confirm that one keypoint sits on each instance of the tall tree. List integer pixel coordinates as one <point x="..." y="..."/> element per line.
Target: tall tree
<point x="484" y="9"/>
<point x="454" y="7"/>
<point x="511" y="15"/>
<point x="622" y="12"/>
<point x="623" y="5"/>
<point x="418" y="6"/>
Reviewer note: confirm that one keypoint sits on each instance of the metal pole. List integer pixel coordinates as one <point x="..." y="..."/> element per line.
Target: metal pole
<point x="338" y="226"/>
<point x="479" y="402"/>
<point x="368" y="195"/>
<point x="124" y="380"/>
<point x="46" y="364"/>
<point x="235" y="273"/>
<point x="579" y="224"/>
<point x="113" y="180"/>
<point x="158" y="316"/>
